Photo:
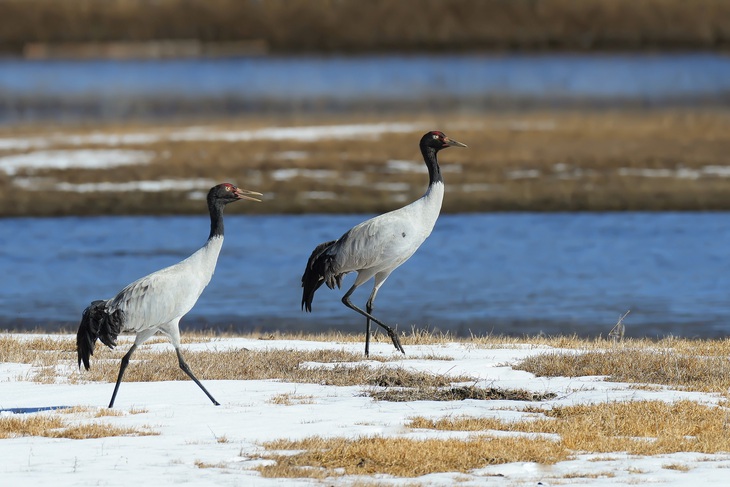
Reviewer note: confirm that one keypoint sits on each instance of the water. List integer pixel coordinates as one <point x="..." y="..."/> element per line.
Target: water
<point x="478" y="273"/>
<point x="112" y="88"/>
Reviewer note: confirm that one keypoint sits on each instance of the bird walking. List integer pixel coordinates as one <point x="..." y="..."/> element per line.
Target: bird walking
<point x="158" y="301"/>
<point x="376" y="247"/>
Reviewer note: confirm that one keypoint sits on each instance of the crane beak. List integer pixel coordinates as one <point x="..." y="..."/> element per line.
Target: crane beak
<point x="245" y="194"/>
<point x="453" y="143"/>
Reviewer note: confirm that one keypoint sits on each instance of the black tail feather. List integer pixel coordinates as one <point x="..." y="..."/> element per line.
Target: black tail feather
<point x="97" y="323"/>
<point x="314" y="274"/>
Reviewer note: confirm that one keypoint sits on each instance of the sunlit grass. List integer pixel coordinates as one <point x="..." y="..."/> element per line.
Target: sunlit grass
<point x="636" y="427"/>
<point x="682" y="363"/>
<point x="320" y="457"/>
<point x="693" y="365"/>
<point x="55" y="426"/>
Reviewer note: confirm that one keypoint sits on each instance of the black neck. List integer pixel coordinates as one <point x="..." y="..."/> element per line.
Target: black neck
<point x="216" y="218"/>
<point x="434" y="171"/>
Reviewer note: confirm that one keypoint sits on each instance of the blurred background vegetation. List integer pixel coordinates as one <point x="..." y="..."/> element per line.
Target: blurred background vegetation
<point x="353" y="26"/>
<point x="567" y="105"/>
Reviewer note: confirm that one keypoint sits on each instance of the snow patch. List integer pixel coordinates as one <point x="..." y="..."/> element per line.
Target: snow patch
<point x="190" y="428"/>
<point x="679" y="173"/>
<point x="287" y="174"/>
<point x="73" y="159"/>
<point x="319" y="195"/>
<point x="43" y="184"/>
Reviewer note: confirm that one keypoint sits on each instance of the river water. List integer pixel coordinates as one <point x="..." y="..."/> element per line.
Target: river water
<point x="31" y="90"/>
<point x="513" y="273"/>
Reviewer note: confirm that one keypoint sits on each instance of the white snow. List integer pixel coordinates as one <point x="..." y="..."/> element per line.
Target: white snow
<point x="679" y="173"/>
<point x="397" y="165"/>
<point x="291" y="155"/>
<point x="402" y="166"/>
<point x="523" y="174"/>
<point x="478" y="187"/>
<point x="192" y="430"/>
<point x="303" y="133"/>
<point x="67" y="159"/>
<point x="395" y="187"/>
<point x="150" y="186"/>
<point x="319" y="195"/>
<point x="286" y="174"/>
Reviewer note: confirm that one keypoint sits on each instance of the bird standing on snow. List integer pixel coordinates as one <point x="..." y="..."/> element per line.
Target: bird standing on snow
<point x="378" y="246"/>
<point x="157" y="302"/>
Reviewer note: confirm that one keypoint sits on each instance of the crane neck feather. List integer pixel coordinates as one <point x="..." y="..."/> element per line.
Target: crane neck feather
<point x="216" y="218"/>
<point x="434" y="171"/>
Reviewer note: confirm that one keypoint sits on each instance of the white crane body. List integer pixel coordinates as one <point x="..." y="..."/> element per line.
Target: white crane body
<point x="379" y="245"/>
<point x="167" y="295"/>
<point x="157" y="302"/>
<point x="383" y="243"/>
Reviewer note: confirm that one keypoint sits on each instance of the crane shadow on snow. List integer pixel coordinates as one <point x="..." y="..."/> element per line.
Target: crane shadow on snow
<point x="31" y="410"/>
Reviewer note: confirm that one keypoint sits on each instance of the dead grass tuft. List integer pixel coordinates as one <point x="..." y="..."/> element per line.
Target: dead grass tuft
<point x="587" y="475"/>
<point x="289" y="399"/>
<point x="42" y="351"/>
<point x="699" y="365"/>
<point x="202" y="464"/>
<point x="326" y="367"/>
<point x="53" y="426"/>
<point x="636" y="427"/>
<point x="458" y="394"/>
<point x="698" y="368"/>
<point x="319" y="457"/>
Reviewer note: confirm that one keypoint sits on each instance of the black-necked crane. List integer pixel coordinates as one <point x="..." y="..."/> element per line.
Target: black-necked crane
<point x="157" y="302"/>
<point x="376" y="247"/>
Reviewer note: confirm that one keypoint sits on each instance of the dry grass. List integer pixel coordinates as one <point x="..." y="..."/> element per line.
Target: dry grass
<point x="319" y="457"/>
<point x="378" y="25"/>
<point x="42" y="351"/>
<point x="693" y="365"/>
<point x="289" y="399"/>
<point x="285" y="365"/>
<point x="202" y="464"/>
<point x="699" y="365"/>
<point x="636" y="427"/>
<point x="99" y="412"/>
<point x="533" y="160"/>
<point x="457" y="394"/>
<point x="54" y="426"/>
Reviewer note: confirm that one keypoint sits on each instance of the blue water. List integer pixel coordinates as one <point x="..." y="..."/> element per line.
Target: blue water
<point x="467" y="79"/>
<point x="479" y="273"/>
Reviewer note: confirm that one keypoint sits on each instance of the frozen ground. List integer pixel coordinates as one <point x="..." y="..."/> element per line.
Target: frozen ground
<point x="200" y="444"/>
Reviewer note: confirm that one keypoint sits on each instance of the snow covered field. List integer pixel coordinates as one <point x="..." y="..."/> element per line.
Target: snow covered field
<point x="200" y="444"/>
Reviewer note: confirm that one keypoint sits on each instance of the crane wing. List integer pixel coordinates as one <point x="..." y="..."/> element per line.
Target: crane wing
<point x="384" y="241"/>
<point x="156" y="299"/>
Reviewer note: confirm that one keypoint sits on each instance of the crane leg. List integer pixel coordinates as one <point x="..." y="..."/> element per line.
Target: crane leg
<point x="369" y="308"/>
<point x="186" y="369"/>
<point x="393" y="336"/>
<point x="122" y="368"/>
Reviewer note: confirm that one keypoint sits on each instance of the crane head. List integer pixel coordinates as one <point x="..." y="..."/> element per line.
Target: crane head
<point x="439" y="140"/>
<point x="228" y="193"/>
